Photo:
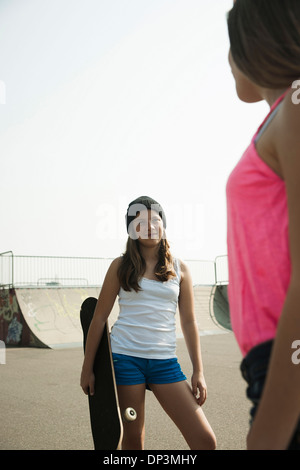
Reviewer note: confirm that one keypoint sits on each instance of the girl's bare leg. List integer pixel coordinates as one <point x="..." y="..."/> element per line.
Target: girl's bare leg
<point x="133" y="396"/>
<point x="179" y="403"/>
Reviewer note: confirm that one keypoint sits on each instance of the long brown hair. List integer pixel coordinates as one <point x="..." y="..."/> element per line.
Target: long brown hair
<point x="132" y="265"/>
<point x="265" y="40"/>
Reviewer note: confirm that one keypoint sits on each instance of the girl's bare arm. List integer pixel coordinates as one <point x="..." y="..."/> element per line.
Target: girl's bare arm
<point x="107" y="297"/>
<point x="191" y="334"/>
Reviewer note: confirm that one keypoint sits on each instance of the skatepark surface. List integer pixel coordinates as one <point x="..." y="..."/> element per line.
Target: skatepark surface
<point x="44" y="408"/>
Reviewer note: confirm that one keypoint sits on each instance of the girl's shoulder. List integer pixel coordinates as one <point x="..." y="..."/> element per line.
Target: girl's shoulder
<point x="115" y="264"/>
<point x="182" y="267"/>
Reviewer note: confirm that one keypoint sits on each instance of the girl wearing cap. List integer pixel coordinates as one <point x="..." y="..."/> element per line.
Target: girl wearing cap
<point x="263" y="200"/>
<point x="150" y="284"/>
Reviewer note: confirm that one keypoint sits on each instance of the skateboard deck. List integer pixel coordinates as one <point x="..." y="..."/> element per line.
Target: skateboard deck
<point x="105" y="416"/>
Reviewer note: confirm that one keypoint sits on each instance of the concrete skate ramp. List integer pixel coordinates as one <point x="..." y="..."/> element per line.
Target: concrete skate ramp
<point x="49" y="317"/>
<point x="220" y="306"/>
<point x="53" y="314"/>
<point x="43" y="317"/>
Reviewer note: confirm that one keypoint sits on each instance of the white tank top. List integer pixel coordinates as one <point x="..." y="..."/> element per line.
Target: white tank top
<point x="146" y="325"/>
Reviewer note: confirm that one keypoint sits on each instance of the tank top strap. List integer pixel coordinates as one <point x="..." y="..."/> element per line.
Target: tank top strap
<point x="273" y="111"/>
<point x="176" y="264"/>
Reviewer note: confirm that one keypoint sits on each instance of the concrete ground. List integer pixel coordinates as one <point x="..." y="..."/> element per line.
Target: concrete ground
<point x="43" y="407"/>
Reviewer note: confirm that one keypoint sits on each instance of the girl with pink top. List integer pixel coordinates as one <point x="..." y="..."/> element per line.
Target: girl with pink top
<point x="263" y="201"/>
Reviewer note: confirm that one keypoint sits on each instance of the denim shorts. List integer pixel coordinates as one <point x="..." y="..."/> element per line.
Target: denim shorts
<point x="130" y="370"/>
<point x="254" y="369"/>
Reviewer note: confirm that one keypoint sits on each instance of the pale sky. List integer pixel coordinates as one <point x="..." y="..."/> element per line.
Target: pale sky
<point x="108" y="100"/>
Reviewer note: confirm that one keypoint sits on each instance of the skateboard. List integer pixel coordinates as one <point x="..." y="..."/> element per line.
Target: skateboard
<point x="105" y="415"/>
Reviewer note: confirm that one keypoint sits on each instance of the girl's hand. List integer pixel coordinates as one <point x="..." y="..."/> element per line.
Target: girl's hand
<point x="199" y="387"/>
<point x="87" y="382"/>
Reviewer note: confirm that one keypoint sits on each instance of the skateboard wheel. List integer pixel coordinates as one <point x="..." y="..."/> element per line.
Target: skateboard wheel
<point x="130" y="414"/>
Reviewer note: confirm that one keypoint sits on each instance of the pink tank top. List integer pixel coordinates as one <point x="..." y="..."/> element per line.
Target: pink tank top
<point x="258" y="247"/>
